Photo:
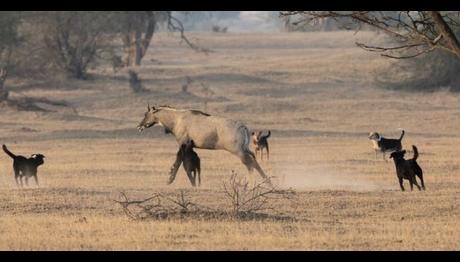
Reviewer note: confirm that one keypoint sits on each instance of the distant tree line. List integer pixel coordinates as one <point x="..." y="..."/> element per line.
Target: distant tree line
<point x="35" y="43"/>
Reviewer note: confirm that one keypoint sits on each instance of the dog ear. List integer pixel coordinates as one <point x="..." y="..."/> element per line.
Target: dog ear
<point x="403" y="152"/>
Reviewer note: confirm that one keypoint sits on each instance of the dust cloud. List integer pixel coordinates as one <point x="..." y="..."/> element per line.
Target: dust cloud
<point x="304" y="178"/>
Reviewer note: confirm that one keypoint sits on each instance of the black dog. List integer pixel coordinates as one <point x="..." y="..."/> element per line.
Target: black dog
<point x="191" y="162"/>
<point x="25" y="167"/>
<point x="408" y="169"/>
<point x="382" y="144"/>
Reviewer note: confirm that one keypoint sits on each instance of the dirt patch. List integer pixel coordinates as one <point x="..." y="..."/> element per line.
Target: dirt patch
<point x="304" y="178"/>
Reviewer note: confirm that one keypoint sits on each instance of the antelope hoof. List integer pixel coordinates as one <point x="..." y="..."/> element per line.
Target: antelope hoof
<point x="170" y="180"/>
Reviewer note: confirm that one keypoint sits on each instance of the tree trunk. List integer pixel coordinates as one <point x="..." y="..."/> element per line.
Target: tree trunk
<point x="138" y="41"/>
<point x="134" y="48"/>
<point x="446" y="32"/>
<point x="138" y="47"/>
<point x="78" y="73"/>
<point x="3" y="92"/>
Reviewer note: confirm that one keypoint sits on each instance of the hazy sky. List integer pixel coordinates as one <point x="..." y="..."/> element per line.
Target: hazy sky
<point x="246" y="21"/>
<point x="250" y="21"/>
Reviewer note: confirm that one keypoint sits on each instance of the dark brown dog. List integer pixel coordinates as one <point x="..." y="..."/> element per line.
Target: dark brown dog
<point x="25" y="167"/>
<point x="408" y="169"/>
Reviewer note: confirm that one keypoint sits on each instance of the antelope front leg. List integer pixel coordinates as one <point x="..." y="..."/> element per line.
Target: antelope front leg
<point x="176" y="165"/>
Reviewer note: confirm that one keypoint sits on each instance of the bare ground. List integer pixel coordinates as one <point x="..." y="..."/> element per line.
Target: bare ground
<point x="314" y="91"/>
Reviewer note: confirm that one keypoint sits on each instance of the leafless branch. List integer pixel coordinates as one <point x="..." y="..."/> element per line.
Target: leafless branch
<point x="246" y="198"/>
<point x="417" y="32"/>
<point x="175" y="24"/>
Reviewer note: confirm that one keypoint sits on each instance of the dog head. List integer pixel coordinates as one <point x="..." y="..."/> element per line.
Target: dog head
<point x="374" y="136"/>
<point x="38" y="158"/>
<point x="398" y="154"/>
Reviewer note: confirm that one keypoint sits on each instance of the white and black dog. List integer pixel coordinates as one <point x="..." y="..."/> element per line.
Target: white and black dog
<point x="383" y="145"/>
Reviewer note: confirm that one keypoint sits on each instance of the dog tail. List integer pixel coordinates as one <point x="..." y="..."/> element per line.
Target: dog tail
<point x="402" y="135"/>
<point x="267" y="136"/>
<point x="8" y="152"/>
<point x="415" y="152"/>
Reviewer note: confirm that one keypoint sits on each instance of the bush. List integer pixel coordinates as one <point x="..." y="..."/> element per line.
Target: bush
<point x="432" y="71"/>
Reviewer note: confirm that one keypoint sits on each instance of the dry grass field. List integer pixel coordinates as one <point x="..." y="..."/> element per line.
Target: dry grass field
<point x="314" y="91"/>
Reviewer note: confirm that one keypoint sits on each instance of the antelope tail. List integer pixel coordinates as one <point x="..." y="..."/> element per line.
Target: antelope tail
<point x="8" y="152"/>
<point x="246" y="140"/>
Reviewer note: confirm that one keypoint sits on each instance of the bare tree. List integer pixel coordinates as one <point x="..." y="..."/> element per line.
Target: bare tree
<point x="9" y="39"/>
<point x="138" y="29"/>
<point x="415" y="32"/>
<point x="74" y="38"/>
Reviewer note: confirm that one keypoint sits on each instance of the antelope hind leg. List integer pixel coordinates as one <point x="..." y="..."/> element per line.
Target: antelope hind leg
<point x="176" y="165"/>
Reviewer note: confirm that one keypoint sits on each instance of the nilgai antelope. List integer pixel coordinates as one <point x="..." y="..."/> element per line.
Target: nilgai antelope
<point x="383" y="145"/>
<point x="407" y="169"/>
<point x="25" y="167"/>
<point x="206" y="131"/>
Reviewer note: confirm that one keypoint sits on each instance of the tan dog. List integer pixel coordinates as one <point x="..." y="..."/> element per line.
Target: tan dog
<point x="260" y="142"/>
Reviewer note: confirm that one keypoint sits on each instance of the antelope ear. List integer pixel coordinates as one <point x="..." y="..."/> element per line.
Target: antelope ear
<point x="153" y="108"/>
<point x="148" y="107"/>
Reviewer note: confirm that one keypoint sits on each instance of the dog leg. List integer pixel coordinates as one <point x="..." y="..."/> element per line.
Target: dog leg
<point x="16" y="176"/>
<point x="420" y="175"/>
<point x="416" y="184"/>
<point x="411" y="183"/>
<point x="421" y="179"/>
<point x="194" y="176"/>
<point x="401" y="183"/>
<point x="17" y="182"/>
<point x="36" y="180"/>
<point x="191" y="178"/>
<point x="268" y="153"/>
